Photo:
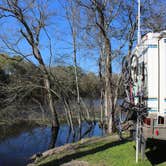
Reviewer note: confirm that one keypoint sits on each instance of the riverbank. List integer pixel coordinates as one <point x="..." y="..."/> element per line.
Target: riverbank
<point x="101" y="151"/>
<point x="35" y="122"/>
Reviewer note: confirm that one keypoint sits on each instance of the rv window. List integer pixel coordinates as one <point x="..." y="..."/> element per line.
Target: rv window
<point x="160" y="120"/>
<point x="152" y="46"/>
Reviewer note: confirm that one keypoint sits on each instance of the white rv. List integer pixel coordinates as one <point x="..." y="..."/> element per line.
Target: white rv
<point x="151" y="81"/>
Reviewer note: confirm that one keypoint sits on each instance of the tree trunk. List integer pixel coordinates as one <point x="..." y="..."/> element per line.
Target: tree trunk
<point x="75" y="70"/>
<point x="108" y="87"/>
<point x="54" y="117"/>
<point x="108" y="91"/>
<point x="101" y="84"/>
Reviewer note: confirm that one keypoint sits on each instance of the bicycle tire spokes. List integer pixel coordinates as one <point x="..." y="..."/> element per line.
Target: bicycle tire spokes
<point x="130" y="75"/>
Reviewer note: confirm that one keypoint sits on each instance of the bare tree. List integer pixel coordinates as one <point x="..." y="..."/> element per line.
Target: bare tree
<point x="103" y="13"/>
<point x="30" y="30"/>
<point x="130" y="14"/>
<point x="72" y="15"/>
<point x="153" y="15"/>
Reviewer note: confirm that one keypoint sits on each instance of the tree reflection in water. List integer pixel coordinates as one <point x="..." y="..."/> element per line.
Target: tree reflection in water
<point x="20" y="145"/>
<point x="54" y="135"/>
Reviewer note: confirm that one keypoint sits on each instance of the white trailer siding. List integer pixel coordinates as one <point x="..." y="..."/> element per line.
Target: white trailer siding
<point x="162" y="52"/>
<point x="152" y="79"/>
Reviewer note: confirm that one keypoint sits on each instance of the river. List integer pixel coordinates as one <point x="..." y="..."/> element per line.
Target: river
<point x="17" y="147"/>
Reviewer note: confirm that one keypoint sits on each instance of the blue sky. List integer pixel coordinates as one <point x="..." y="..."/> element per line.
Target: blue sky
<point x="59" y="31"/>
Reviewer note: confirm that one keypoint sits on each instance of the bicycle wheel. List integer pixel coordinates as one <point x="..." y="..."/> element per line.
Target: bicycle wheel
<point x="125" y="70"/>
<point x="134" y="67"/>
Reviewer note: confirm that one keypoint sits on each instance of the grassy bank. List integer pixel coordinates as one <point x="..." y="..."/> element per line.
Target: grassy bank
<point x="105" y="151"/>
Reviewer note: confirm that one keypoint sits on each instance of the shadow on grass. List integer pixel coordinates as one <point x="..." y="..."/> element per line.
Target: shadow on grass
<point x="76" y="155"/>
<point x="157" y="156"/>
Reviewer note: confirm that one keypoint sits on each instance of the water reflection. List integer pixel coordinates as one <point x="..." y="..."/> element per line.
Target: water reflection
<point x="53" y="138"/>
<point x="16" y="149"/>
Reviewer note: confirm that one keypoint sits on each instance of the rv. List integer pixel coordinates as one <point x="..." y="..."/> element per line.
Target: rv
<point x="149" y="82"/>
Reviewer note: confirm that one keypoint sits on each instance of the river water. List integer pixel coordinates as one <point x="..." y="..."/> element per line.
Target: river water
<point x="16" y="148"/>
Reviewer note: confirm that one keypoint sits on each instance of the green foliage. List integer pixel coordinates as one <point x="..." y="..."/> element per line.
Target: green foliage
<point x="90" y="85"/>
<point x="65" y="76"/>
<point x="18" y="79"/>
<point x="21" y="81"/>
<point x="9" y="64"/>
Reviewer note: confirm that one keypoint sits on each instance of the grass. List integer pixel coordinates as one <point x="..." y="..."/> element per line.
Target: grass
<point x="104" y="151"/>
<point x="123" y="154"/>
